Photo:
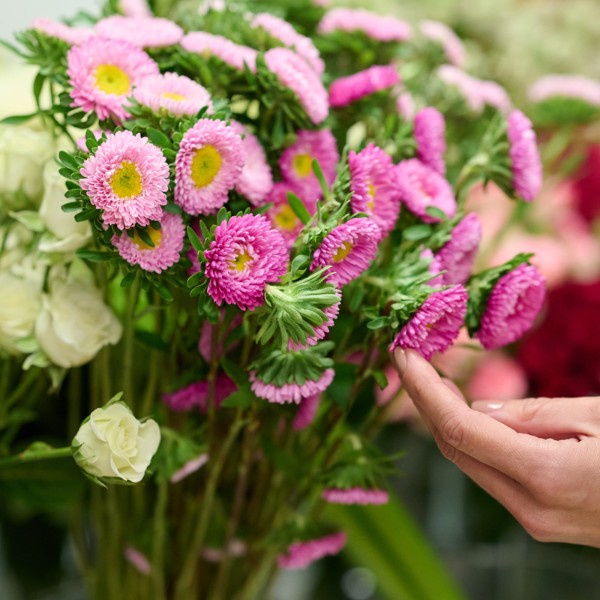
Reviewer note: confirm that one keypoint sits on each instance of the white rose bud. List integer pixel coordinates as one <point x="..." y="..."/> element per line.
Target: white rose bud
<point x="67" y="234"/>
<point x="112" y="443"/>
<point x="75" y="324"/>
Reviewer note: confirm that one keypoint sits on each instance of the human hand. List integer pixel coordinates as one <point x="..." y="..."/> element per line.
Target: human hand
<point x="539" y="457"/>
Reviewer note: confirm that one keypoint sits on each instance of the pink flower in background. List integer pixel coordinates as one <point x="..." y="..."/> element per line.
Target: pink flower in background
<point x="294" y="72"/>
<point x="173" y="93"/>
<point x="345" y="90"/>
<point x="290" y="392"/>
<point x="245" y="255"/>
<point x="144" y="32"/>
<point x="195" y="395"/>
<point x="430" y="135"/>
<point x="450" y="42"/>
<point x="307" y="411"/>
<point x="383" y="28"/>
<point x="302" y="554"/>
<point x="206" y="336"/>
<point x="190" y="467"/>
<point x="355" y="495"/>
<point x="420" y="187"/>
<point x="565" y="86"/>
<point x="281" y="30"/>
<point x="348" y="250"/>
<point x="127" y="179"/>
<point x="512" y="307"/>
<point x="457" y="256"/>
<point x="373" y="186"/>
<point x="436" y="324"/>
<point x="281" y="214"/>
<point x="168" y="244"/>
<point x="103" y="74"/>
<point x="135" y="8"/>
<point x="207" y="44"/>
<point x="138" y="560"/>
<point x="405" y="105"/>
<point x="525" y="156"/>
<point x="296" y="161"/>
<point x="209" y="163"/>
<point x="497" y="377"/>
<point x="55" y="29"/>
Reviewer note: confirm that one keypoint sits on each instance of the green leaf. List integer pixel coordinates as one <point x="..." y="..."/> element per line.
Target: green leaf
<point x="380" y="379"/>
<point x="242" y="398"/>
<point x="436" y="213"/>
<point x="17" y="119"/>
<point x="158" y="138"/>
<point x="222" y="215"/>
<point x="298" y="207"/>
<point x="236" y="373"/>
<point x="417" y="232"/>
<point x="94" y="256"/>
<point x="379" y="323"/>
<point x="67" y="160"/>
<point x="195" y="240"/>
<point x="149" y="338"/>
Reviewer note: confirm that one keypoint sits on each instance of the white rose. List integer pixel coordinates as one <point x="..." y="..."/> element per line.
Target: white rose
<point x="67" y="234"/>
<point x="19" y="308"/>
<point x="113" y="443"/>
<point x="75" y="324"/>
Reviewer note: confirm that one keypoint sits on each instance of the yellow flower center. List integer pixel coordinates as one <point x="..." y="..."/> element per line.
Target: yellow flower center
<point x="173" y="96"/>
<point x="286" y="218"/>
<point x="112" y="80"/>
<point x="240" y="261"/>
<point x="126" y="181"/>
<point x="371" y="202"/>
<point x="302" y="164"/>
<point x="206" y="165"/>
<point x="342" y="252"/>
<point x="155" y="236"/>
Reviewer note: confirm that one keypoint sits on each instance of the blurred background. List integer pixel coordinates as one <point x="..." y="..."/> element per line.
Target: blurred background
<point x="513" y="42"/>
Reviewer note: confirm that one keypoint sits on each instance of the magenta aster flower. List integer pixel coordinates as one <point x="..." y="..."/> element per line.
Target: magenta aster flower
<point x="173" y="93"/>
<point x="373" y="186"/>
<point x="104" y="72"/>
<point x="383" y="28"/>
<point x="127" y="179"/>
<point x="281" y="30"/>
<point x="256" y="179"/>
<point x="448" y="40"/>
<point x="245" y="255"/>
<point x="168" y="244"/>
<point x="307" y="411"/>
<point x="195" y="395"/>
<point x="525" y="156"/>
<point x="345" y="90"/>
<point x="348" y="250"/>
<point x="209" y="163"/>
<point x="355" y="495"/>
<point x="143" y="32"/>
<point x="320" y="331"/>
<point x="296" y="161"/>
<point x="565" y="86"/>
<point x="436" y="323"/>
<point x="290" y="392"/>
<point x="281" y="214"/>
<point x="456" y="257"/>
<point x="295" y="73"/>
<point x="135" y="8"/>
<point x="512" y="307"/>
<point x="301" y="554"/>
<point x="55" y="29"/>
<point x="430" y="135"/>
<point x="420" y="187"/>
<point x="232" y="54"/>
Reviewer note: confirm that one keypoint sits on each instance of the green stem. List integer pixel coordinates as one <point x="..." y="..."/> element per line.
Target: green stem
<point x="35" y="456"/>
<point x="129" y="342"/>
<point x="159" y="541"/>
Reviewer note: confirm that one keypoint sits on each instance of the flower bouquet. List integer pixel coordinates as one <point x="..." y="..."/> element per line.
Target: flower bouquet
<point x="244" y="208"/>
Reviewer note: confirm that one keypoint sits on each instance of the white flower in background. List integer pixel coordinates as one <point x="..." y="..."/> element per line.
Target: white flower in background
<point x="15" y="241"/>
<point x="67" y="235"/>
<point x="74" y="323"/>
<point x="112" y="443"/>
<point x="20" y="305"/>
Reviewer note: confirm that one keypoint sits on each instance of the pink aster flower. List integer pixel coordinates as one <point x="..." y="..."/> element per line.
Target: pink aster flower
<point x="256" y="179"/>
<point x="373" y="186"/>
<point x="143" y="32"/>
<point x="345" y="90"/>
<point x="436" y="324"/>
<point x="450" y="42"/>
<point x="565" y="86"/>
<point x="209" y="163"/>
<point x="281" y="214"/>
<point x="104" y="72"/>
<point x="295" y="73"/>
<point x="290" y="392"/>
<point x="405" y="105"/>
<point x="307" y="411"/>
<point x="420" y="187"/>
<point x="383" y="28"/>
<point x="232" y="54"/>
<point x="245" y="255"/>
<point x="296" y="161"/>
<point x="206" y="336"/>
<point x="281" y="30"/>
<point x="135" y="8"/>
<point x="320" y="331"/>
<point x="168" y="244"/>
<point x="348" y="250"/>
<point x="525" y="156"/>
<point x="127" y="179"/>
<point x="512" y="307"/>
<point x="173" y="93"/>
<point x="195" y="395"/>
<point x="301" y="554"/>
<point x="430" y="132"/>
<point x="55" y="29"/>
<point x="355" y="495"/>
<point x="456" y="257"/>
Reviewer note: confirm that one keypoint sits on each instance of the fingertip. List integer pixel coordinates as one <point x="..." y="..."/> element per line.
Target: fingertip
<point x="399" y="359"/>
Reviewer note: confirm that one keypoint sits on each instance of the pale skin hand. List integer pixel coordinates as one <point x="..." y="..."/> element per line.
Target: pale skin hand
<point x="539" y="457"/>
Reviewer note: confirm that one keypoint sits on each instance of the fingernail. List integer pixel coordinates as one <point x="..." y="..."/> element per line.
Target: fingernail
<point x="400" y="360"/>
<point x="485" y="406"/>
